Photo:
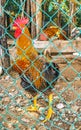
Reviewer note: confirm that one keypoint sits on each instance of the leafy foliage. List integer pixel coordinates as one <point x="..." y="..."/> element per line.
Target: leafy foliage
<point x="64" y="8"/>
<point x="52" y="9"/>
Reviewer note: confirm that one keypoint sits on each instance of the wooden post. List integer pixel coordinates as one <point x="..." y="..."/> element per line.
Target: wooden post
<point x="27" y="7"/>
<point x="38" y="16"/>
<point x="0" y="8"/>
<point x="5" y="59"/>
<point x="59" y="15"/>
<point x="23" y="7"/>
<point x="33" y="9"/>
<point x="28" y="11"/>
<point x="43" y="15"/>
<point x="72" y="11"/>
<point x="33" y="18"/>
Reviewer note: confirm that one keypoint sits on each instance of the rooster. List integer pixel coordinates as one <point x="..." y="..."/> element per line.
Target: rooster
<point x="36" y="73"/>
<point x="52" y="32"/>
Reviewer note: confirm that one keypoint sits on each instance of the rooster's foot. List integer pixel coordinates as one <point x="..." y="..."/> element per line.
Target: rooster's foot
<point x="49" y="114"/>
<point x="34" y="107"/>
<point x="50" y="110"/>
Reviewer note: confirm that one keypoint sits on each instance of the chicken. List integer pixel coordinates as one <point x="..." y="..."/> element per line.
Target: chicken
<point x="36" y="74"/>
<point x="52" y="32"/>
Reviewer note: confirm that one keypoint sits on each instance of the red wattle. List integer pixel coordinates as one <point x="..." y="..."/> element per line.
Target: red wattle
<point x="17" y="33"/>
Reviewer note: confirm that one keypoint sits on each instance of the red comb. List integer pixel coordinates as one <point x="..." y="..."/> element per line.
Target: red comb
<point x="20" y="21"/>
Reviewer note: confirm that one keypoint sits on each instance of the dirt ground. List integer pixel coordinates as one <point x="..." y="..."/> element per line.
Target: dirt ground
<point x="14" y="101"/>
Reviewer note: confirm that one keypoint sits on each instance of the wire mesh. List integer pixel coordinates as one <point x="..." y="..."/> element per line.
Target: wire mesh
<point x="55" y="28"/>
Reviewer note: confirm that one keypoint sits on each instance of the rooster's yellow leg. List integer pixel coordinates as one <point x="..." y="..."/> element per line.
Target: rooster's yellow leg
<point x="50" y="109"/>
<point x="33" y="107"/>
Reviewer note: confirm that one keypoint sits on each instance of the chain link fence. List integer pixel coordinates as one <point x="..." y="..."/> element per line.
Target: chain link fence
<point x="49" y="61"/>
